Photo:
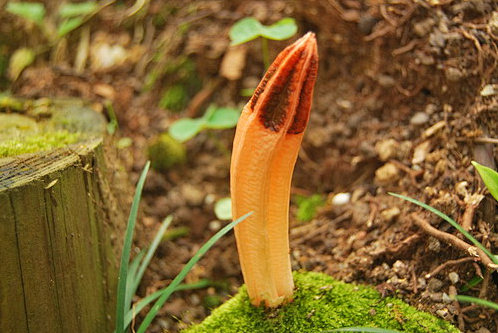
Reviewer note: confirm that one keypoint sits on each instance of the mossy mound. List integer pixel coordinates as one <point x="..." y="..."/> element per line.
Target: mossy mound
<point x="321" y="304"/>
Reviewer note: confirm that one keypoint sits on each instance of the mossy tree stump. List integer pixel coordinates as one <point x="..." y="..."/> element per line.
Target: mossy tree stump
<point x="59" y="220"/>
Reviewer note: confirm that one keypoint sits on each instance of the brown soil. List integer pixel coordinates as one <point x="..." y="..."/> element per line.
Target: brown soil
<point x="398" y="108"/>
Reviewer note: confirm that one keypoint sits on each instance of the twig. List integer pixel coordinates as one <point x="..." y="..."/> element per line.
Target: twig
<point x="484" y="285"/>
<point x="470" y="308"/>
<point x="412" y="173"/>
<point x="452" y="240"/>
<point x="201" y="97"/>
<point x="471" y="204"/>
<point x="404" y="243"/>
<point x="414" y="279"/>
<point x="468" y="35"/>
<point x="374" y="208"/>
<point x="388" y="28"/>
<point x="477" y="268"/>
<point x="486" y="140"/>
<point x="385" y="15"/>
<point x="406" y="48"/>
<point x="449" y="263"/>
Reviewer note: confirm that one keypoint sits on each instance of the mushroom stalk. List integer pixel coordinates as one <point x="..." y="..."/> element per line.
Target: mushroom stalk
<point x="265" y="149"/>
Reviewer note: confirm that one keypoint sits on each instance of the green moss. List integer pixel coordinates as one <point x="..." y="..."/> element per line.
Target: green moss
<point x="307" y="206"/>
<point x="37" y="142"/>
<point x="165" y="152"/>
<point x="320" y="304"/>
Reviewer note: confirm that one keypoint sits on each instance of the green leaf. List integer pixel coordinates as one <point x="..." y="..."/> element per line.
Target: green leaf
<point x="283" y="29"/>
<point x="450" y="221"/>
<point x="137" y="307"/>
<point x="32" y="11"/>
<point x="470" y="299"/>
<point x="223" y="209"/>
<point x="179" y="278"/>
<point x="150" y="252"/>
<point x="211" y="109"/>
<point x="249" y="28"/>
<point x="21" y="59"/>
<point x="186" y="128"/>
<point x="490" y="178"/>
<point x="76" y="9"/>
<point x="223" y="118"/>
<point x="125" y="256"/>
<point x="363" y="329"/>
<point x="69" y="25"/>
<point x="132" y="271"/>
<point x="245" y="30"/>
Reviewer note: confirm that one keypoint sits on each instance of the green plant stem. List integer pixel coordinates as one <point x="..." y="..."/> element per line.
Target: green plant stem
<point x="264" y="49"/>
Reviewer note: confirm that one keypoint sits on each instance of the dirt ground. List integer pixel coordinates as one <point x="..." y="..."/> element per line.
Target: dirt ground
<point x="400" y="106"/>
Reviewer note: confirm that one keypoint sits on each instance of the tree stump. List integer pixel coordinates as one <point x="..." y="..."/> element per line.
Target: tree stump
<point x="59" y="220"/>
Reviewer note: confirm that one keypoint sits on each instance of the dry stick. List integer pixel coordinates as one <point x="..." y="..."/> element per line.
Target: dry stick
<point x="201" y="97"/>
<point x="412" y="173"/>
<point x="414" y="279"/>
<point x="385" y="15"/>
<point x="471" y="204"/>
<point x="374" y="208"/>
<point x="404" y="243"/>
<point x="405" y="48"/>
<point x="452" y="240"/>
<point x="388" y="28"/>
<point x="484" y="285"/>
<point x="449" y="263"/>
<point x="468" y="35"/>
<point x="470" y="308"/>
<point x="477" y="268"/>
<point x="452" y="291"/>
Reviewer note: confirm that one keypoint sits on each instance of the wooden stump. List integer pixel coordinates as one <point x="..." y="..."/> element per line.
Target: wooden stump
<point x="59" y="220"/>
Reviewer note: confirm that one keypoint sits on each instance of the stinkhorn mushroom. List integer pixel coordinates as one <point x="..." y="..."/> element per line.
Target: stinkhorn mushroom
<point x="265" y="149"/>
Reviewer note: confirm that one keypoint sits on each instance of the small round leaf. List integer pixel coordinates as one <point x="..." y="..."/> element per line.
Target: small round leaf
<point x="223" y="118"/>
<point x="283" y="29"/>
<point x="185" y="129"/>
<point x="245" y="30"/>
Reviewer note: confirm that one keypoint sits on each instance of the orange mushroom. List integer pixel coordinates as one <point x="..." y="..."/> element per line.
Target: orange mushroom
<point x="265" y="149"/>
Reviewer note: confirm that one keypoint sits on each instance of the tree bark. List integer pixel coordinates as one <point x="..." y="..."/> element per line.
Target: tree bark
<point x="59" y="222"/>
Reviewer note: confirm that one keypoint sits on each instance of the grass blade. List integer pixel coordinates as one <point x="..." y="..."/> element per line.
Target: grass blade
<point x="179" y="278"/>
<point x="450" y="221"/>
<point x="150" y="252"/>
<point x="125" y="256"/>
<point x="470" y="299"/>
<point x="363" y="329"/>
<point x="132" y="271"/>
<point x="137" y="307"/>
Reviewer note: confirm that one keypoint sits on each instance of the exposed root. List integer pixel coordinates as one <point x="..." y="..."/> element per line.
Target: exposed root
<point x="449" y="263"/>
<point x="452" y="240"/>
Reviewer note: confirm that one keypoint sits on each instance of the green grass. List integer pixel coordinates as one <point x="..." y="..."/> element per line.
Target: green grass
<point x="483" y="302"/>
<point x="130" y="274"/>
